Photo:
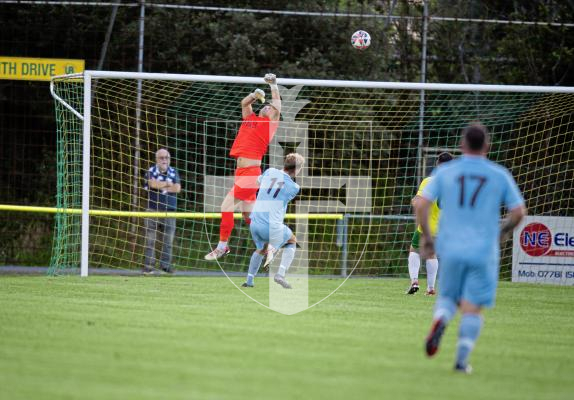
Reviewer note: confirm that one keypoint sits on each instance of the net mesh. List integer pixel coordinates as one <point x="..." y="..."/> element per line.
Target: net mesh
<point x="365" y="159"/>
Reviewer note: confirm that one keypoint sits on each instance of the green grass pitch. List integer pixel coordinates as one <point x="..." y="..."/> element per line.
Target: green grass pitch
<point x="200" y="338"/>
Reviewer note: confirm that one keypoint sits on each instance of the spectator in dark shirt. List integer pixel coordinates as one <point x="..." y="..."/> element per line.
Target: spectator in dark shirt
<point x="162" y="183"/>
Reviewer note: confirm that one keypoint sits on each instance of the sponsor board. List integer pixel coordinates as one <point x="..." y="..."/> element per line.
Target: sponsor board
<point x="543" y="250"/>
<point x="37" y="69"/>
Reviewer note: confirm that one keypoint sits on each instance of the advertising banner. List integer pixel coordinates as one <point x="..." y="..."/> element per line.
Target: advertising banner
<point x="37" y="69"/>
<point x="543" y="250"/>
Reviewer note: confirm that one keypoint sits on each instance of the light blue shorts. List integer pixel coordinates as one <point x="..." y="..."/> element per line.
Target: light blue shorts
<point x="276" y="235"/>
<point x="472" y="280"/>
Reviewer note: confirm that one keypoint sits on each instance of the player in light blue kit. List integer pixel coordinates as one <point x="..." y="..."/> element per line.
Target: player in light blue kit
<point x="276" y="190"/>
<point x="471" y="191"/>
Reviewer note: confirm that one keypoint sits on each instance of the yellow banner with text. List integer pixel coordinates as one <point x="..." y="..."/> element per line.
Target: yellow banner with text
<point x="37" y="69"/>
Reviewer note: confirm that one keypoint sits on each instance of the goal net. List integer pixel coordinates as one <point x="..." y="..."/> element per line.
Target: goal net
<point x="367" y="147"/>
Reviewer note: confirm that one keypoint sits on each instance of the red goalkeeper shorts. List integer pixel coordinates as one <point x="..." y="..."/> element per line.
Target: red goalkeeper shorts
<point x="245" y="187"/>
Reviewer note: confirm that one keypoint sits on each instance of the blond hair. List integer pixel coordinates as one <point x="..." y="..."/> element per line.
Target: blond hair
<point x="293" y="161"/>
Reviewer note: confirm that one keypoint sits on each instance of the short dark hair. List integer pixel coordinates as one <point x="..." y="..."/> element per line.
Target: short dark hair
<point x="475" y="135"/>
<point x="443" y="157"/>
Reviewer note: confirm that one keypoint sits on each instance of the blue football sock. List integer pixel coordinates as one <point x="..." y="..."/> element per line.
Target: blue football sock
<point x="254" y="265"/>
<point x="469" y="330"/>
<point x="444" y="309"/>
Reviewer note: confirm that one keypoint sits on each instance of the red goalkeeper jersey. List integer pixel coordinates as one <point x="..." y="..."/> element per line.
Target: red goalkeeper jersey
<point x="253" y="137"/>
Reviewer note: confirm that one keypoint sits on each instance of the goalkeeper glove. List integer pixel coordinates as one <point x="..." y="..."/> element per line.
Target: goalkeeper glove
<point x="270" y="79"/>
<point x="259" y="94"/>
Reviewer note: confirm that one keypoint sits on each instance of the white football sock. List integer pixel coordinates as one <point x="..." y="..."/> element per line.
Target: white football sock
<point x="432" y="269"/>
<point x="414" y="265"/>
<point x="286" y="259"/>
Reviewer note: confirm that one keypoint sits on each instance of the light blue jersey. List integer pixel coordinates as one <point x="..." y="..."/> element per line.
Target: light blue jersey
<point x="471" y="191"/>
<point x="276" y="190"/>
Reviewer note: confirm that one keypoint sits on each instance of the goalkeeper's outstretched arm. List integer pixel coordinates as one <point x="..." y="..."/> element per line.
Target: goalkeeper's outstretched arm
<point x="246" y="109"/>
<point x="274" y="111"/>
<point x="271" y="79"/>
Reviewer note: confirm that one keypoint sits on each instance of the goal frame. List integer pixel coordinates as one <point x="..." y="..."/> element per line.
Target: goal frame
<point x="89" y="75"/>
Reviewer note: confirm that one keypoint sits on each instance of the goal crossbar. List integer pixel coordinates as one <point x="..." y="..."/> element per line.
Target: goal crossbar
<point x="324" y="82"/>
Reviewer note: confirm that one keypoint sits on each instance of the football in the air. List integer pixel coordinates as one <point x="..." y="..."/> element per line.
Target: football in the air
<point x="361" y="40"/>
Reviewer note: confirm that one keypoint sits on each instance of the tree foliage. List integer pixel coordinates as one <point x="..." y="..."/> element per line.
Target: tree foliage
<point x="218" y="42"/>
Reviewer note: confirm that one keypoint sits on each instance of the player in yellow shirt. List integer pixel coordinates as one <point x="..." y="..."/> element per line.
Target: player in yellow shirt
<point x="414" y="256"/>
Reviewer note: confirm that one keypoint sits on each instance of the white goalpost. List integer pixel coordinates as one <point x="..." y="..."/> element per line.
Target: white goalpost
<point x="361" y="140"/>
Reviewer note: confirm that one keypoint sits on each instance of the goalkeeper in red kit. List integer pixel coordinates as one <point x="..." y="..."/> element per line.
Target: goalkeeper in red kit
<point x="249" y="147"/>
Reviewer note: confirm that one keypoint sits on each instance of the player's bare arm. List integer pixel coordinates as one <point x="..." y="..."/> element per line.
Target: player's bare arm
<point x="422" y="213"/>
<point x="271" y="79"/>
<point x="414" y="201"/>
<point x="246" y="109"/>
<point x="511" y="221"/>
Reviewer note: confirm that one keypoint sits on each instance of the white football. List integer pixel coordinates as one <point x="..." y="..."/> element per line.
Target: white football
<point x="361" y="40"/>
